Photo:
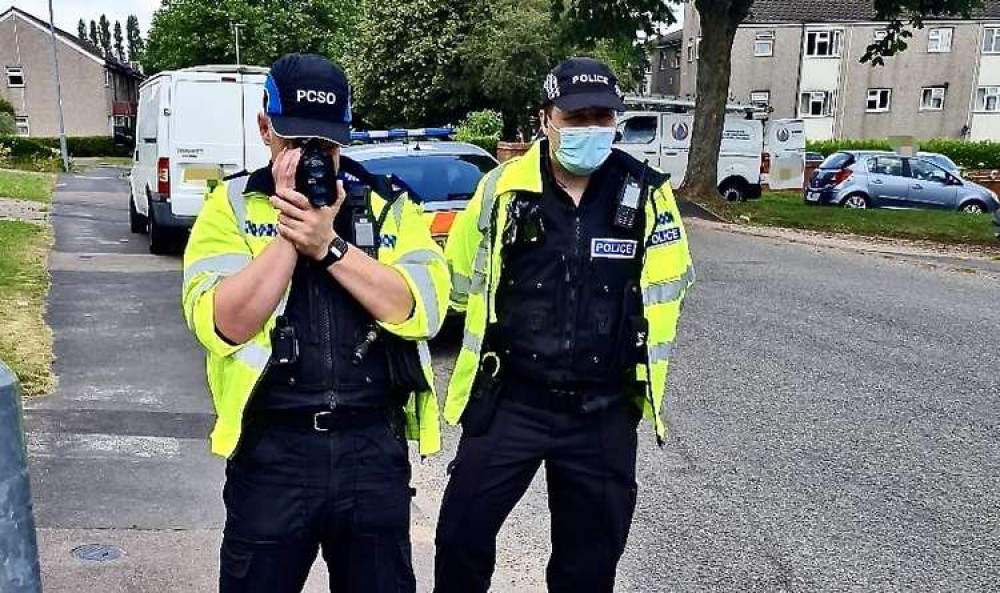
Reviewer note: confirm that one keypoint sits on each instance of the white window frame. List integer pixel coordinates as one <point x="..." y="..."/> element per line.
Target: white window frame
<point x="931" y="94"/>
<point x="676" y="63"/>
<point x="939" y="40"/>
<point x="763" y="44"/>
<point x="21" y="125"/>
<point x="662" y="65"/>
<point x="824" y="98"/>
<point x="15" y="71"/>
<point x="991" y="40"/>
<point x="882" y="99"/>
<point x="762" y="97"/>
<point x="690" y="50"/>
<point x="987" y="99"/>
<point x="879" y="34"/>
<point x="833" y="38"/>
<point x="697" y="48"/>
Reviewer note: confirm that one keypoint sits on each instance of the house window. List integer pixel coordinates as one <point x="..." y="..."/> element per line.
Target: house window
<point x="15" y="76"/>
<point x="991" y="40"/>
<point x="663" y="60"/>
<point x="932" y="98"/>
<point x="690" y="50"/>
<point x="761" y="98"/>
<point x="880" y="34"/>
<point x="697" y="48"/>
<point x="816" y="104"/>
<point x="676" y="59"/>
<point x="878" y="100"/>
<point x="988" y="99"/>
<point x="939" y="40"/>
<point x="21" y="125"/>
<point x="763" y="45"/>
<point x="824" y="44"/>
<point x="107" y="78"/>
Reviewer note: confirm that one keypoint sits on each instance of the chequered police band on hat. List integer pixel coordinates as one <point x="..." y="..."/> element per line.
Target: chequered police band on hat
<point x="551" y="86"/>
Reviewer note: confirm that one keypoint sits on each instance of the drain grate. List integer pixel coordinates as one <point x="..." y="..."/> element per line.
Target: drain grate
<point x="98" y="552"/>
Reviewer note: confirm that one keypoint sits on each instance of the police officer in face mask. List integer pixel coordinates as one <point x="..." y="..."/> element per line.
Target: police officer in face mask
<point x="571" y="263"/>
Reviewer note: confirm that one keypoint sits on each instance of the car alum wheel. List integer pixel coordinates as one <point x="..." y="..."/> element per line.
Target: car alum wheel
<point x="973" y="208"/>
<point x="856" y="202"/>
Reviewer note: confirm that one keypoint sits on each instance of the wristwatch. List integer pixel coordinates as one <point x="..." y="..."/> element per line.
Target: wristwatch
<point x="337" y="251"/>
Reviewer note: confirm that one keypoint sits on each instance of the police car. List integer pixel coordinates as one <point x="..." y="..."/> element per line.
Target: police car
<point x="437" y="173"/>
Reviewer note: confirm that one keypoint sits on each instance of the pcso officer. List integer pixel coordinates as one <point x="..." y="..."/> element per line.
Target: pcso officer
<point x="571" y="262"/>
<point x="314" y="302"/>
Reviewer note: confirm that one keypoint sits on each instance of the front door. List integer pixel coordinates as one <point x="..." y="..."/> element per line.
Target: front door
<point x="929" y="187"/>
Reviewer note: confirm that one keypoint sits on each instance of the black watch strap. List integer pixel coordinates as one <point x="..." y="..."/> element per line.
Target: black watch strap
<point x="336" y="252"/>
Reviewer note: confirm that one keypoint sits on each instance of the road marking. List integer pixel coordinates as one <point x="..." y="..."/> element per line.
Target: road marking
<point x="97" y="446"/>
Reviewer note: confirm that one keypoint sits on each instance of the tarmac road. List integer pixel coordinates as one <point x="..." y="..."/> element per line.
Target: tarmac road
<point x="834" y="417"/>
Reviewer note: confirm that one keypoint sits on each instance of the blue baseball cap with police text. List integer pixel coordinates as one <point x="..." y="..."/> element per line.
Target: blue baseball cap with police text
<point x="307" y="96"/>
<point x="582" y="83"/>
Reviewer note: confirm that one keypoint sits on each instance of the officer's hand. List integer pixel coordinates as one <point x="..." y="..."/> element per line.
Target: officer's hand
<point x="284" y="167"/>
<point x="309" y="229"/>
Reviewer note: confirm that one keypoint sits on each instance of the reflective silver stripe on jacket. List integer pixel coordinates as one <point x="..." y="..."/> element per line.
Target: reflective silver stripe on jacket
<point x="421" y="277"/>
<point x="472" y="342"/>
<point x="665" y="292"/>
<point x="253" y="355"/>
<point x="461" y="286"/>
<point x="425" y="354"/>
<point x="489" y="198"/>
<point x="660" y="352"/>
<point x="217" y="265"/>
<point x="421" y="256"/>
<point x="234" y="190"/>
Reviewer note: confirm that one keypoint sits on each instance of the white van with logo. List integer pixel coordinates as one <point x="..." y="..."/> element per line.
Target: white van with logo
<point x="784" y="154"/>
<point x="194" y="127"/>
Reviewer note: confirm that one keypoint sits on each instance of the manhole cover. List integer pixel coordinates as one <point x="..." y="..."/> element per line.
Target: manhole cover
<point x="98" y="552"/>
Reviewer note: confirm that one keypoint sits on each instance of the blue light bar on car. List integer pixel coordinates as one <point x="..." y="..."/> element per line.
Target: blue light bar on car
<point x="377" y="135"/>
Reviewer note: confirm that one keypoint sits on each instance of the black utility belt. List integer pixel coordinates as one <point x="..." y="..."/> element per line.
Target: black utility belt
<point x="583" y="398"/>
<point x="322" y="419"/>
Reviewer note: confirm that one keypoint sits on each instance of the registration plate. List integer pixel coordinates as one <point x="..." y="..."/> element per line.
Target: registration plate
<point x="812" y="196"/>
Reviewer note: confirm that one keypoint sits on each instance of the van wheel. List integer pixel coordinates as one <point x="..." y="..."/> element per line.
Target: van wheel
<point x="734" y="190"/>
<point x="137" y="222"/>
<point x="973" y="208"/>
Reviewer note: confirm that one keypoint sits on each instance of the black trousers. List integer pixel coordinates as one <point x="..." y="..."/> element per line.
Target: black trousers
<point x="290" y="492"/>
<point x="590" y="471"/>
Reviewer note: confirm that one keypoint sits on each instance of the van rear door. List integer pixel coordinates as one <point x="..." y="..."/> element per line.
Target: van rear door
<point x="206" y="136"/>
<point x="740" y="151"/>
<point x="785" y="142"/>
<point x="675" y="142"/>
<point x="256" y="155"/>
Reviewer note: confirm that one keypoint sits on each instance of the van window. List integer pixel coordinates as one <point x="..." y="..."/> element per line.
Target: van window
<point x="149" y="106"/>
<point x="837" y="160"/>
<point x="639" y="130"/>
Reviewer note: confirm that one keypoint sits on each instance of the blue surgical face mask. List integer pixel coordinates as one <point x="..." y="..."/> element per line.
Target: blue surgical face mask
<point x="583" y="150"/>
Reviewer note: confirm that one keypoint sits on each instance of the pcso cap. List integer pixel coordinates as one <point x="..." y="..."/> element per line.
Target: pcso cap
<point x="308" y="97"/>
<point x="582" y="83"/>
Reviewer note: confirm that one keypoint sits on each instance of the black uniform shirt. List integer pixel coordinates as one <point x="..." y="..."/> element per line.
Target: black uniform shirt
<point x="564" y="304"/>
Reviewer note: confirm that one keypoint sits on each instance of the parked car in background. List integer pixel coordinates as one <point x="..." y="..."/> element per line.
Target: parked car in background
<point x="996" y="223"/>
<point x="874" y="179"/>
<point x="441" y="175"/>
<point x="813" y="158"/>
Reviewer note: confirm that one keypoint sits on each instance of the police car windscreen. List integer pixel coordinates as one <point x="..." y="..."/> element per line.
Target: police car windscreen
<point x="437" y="177"/>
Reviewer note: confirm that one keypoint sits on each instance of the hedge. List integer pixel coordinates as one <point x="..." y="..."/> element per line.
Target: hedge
<point x="967" y="155"/>
<point x="89" y="146"/>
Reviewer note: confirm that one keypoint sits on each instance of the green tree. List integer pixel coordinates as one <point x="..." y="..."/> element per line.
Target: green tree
<point x="119" y="42"/>
<point x="406" y="65"/>
<point x="92" y="36"/>
<point x="81" y="31"/>
<point x="104" y="35"/>
<point x="719" y="20"/>
<point x="200" y="31"/>
<point x="134" y="39"/>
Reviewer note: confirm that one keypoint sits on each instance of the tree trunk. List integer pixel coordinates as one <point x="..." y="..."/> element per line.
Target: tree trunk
<point x="719" y="20"/>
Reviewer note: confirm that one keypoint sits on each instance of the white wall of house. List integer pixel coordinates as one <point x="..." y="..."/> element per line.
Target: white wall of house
<point x="820" y="74"/>
<point x="986" y="125"/>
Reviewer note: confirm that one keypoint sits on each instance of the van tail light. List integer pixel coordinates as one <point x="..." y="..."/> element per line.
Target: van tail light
<point x="765" y="164"/>
<point x="163" y="178"/>
<point x="841" y="176"/>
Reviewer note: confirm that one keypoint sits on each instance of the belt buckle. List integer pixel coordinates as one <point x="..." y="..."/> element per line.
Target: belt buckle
<point x="316" y="418"/>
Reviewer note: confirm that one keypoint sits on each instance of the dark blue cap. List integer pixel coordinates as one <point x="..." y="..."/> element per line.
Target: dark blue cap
<point x="308" y="97"/>
<point x="582" y="83"/>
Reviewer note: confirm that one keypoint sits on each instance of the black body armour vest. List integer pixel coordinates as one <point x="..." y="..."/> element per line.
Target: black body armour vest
<point x="567" y="304"/>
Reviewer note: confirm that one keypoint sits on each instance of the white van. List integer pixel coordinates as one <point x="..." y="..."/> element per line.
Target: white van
<point x="664" y="139"/>
<point x="785" y="153"/>
<point x="194" y="126"/>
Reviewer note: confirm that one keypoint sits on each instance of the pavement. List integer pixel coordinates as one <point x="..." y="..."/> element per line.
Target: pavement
<point x="833" y="413"/>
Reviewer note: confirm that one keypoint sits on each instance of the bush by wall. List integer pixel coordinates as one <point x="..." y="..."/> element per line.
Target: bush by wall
<point x="481" y="128"/>
<point x="967" y="155"/>
<point x="89" y="146"/>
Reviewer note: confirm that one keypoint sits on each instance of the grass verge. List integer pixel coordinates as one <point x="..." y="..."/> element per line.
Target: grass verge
<point x="25" y="185"/>
<point x="26" y="340"/>
<point x="788" y="210"/>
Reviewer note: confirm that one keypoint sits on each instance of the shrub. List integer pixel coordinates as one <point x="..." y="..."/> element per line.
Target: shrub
<point x="7" y="124"/>
<point x="89" y="146"/>
<point x="967" y="155"/>
<point x="481" y="128"/>
<point x="6" y="107"/>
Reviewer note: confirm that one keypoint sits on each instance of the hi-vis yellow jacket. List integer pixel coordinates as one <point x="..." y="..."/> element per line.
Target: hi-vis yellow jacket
<point x="231" y="230"/>
<point x="475" y="258"/>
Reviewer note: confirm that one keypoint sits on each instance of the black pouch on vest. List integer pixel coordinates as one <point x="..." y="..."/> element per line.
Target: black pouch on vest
<point x="406" y="375"/>
<point x="479" y="411"/>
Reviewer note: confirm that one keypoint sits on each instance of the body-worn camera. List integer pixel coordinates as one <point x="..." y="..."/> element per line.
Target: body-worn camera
<point x="316" y="177"/>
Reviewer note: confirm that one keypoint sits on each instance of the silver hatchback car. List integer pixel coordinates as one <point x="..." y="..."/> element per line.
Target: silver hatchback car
<point x="870" y="179"/>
